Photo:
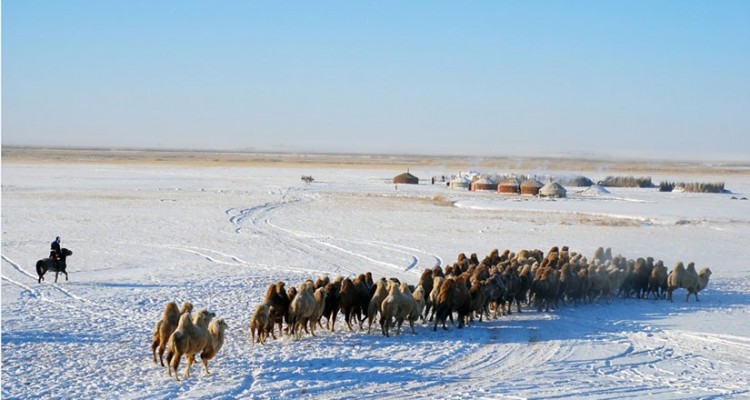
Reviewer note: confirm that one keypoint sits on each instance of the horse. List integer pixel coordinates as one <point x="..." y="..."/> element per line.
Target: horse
<point x="45" y="264"/>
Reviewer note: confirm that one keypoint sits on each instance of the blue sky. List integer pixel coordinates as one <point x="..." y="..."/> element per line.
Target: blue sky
<point x="616" y="78"/>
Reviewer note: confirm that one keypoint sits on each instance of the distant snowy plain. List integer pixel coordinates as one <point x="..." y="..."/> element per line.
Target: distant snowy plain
<point x="142" y="236"/>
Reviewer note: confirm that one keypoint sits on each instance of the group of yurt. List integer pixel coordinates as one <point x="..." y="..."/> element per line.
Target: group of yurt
<point x="485" y="182"/>
<point x="462" y="293"/>
<point x="516" y="186"/>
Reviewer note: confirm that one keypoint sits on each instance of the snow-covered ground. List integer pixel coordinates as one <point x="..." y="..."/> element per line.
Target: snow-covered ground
<point x="142" y="236"/>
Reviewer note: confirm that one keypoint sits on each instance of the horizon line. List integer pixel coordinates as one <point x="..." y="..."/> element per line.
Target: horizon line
<point x="438" y="155"/>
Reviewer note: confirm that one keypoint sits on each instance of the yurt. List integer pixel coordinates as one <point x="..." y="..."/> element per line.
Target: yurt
<point x="510" y="185"/>
<point x="484" y="183"/>
<point x="406" y="177"/>
<point x="552" y="189"/>
<point x="460" y="182"/>
<point x="531" y="187"/>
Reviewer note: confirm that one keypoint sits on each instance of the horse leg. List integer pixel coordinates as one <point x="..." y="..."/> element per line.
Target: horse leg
<point x="56" y="274"/>
<point x="66" y="275"/>
<point x="40" y="270"/>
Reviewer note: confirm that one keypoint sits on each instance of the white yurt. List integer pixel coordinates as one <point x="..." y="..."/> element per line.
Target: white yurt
<point x="552" y="189"/>
<point x="460" y="182"/>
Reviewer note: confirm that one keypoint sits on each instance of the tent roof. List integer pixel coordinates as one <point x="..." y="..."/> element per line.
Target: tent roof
<point x="485" y="181"/>
<point x="531" y="182"/>
<point x="510" y="182"/>
<point x="552" y="188"/>
<point x="406" y="175"/>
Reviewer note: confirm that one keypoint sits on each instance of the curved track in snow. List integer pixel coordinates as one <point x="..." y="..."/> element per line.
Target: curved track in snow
<point x="344" y="256"/>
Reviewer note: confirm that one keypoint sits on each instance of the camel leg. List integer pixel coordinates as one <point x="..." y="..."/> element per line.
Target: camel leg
<point x="161" y="355"/>
<point x="348" y="319"/>
<point x="334" y="315"/>
<point x="362" y="317"/>
<point x="190" y="361"/>
<point x="154" y="345"/>
<point x="386" y="325"/>
<point x="297" y="330"/>
<point x="174" y="365"/>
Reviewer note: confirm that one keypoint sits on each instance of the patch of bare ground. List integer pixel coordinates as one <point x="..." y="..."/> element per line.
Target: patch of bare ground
<point x="600" y="220"/>
<point x="190" y="158"/>
<point x="441" y="201"/>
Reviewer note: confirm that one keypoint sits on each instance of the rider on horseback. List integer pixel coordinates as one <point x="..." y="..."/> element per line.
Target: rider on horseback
<point x="54" y="251"/>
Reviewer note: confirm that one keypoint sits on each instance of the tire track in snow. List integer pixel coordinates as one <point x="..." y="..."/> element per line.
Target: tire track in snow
<point x="327" y="242"/>
<point x="401" y="249"/>
<point x="236" y="261"/>
<point x="52" y="284"/>
<point x="18" y="267"/>
<point x="303" y="242"/>
<point x="362" y="256"/>
<point x="56" y="286"/>
<point x="259" y="216"/>
<point x="38" y="294"/>
<point x="202" y="253"/>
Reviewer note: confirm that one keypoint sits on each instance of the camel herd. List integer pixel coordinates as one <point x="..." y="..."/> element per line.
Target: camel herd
<point x="468" y="289"/>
